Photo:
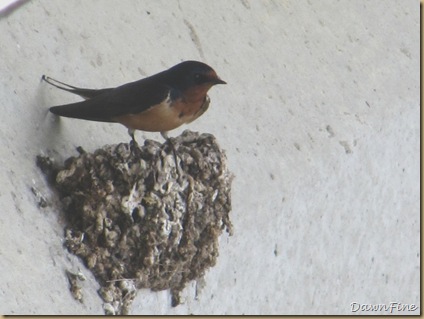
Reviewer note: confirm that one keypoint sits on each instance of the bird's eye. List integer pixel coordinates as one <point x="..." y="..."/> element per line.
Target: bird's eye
<point x="197" y="77"/>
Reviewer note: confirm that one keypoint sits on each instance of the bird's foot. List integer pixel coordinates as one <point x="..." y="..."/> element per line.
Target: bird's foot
<point x="172" y="143"/>
<point x="135" y="148"/>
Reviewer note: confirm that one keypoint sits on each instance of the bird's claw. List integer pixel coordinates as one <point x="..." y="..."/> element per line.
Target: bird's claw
<point x="135" y="148"/>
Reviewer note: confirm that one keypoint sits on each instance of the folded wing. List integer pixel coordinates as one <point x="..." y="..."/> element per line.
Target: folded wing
<point x="131" y="98"/>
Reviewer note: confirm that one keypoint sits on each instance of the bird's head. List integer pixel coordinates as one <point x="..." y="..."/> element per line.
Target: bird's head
<point x="194" y="77"/>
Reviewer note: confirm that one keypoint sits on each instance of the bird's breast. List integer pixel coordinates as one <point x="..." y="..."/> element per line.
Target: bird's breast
<point x="165" y="116"/>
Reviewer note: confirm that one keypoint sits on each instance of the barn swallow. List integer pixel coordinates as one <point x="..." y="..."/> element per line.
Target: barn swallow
<point x="159" y="103"/>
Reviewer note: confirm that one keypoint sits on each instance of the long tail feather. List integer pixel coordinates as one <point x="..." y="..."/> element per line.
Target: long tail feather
<point x="85" y="93"/>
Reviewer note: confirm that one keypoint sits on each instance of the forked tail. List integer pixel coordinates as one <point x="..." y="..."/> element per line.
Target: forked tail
<point x="85" y="93"/>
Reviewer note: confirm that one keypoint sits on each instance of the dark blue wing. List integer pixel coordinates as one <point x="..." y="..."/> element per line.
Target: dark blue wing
<point x="131" y="98"/>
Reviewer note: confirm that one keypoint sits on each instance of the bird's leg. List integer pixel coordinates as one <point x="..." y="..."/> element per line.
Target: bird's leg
<point x="165" y="135"/>
<point x="169" y="140"/>
<point x="135" y="149"/>
<point x="131" y="133"/>
<point x="174" y="150"/>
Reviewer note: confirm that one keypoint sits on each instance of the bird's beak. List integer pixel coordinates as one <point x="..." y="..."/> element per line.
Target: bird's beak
<point x="218" y="81"/>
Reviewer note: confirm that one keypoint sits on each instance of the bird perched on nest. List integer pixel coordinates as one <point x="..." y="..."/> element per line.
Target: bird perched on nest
<point x="158" y="103"/>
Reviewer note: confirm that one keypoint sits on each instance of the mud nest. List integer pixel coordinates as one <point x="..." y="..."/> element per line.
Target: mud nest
<point x="147" y="217"/>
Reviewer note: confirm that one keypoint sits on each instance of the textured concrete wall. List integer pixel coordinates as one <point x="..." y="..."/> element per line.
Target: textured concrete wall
<point x="320" y="120"/>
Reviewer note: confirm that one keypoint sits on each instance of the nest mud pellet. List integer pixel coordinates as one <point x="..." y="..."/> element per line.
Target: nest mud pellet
<point x="148" y="217"/>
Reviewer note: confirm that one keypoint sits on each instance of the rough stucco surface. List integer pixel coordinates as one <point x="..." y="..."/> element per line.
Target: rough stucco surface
<point x="320" y="121"/>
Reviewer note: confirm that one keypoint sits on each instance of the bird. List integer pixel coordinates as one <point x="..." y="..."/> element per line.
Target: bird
<point x="158" y="103"/>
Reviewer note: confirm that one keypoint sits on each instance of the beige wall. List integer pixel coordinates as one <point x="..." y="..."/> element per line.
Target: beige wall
<point x="320" y="120"/>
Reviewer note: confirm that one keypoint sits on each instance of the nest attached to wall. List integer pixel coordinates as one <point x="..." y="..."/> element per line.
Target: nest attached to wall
<point x="147" y="217"/>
